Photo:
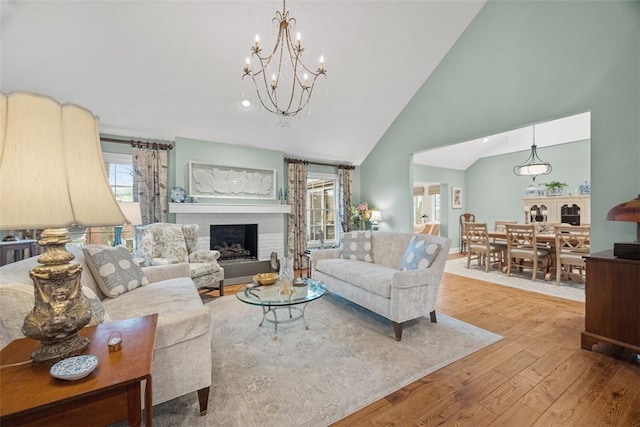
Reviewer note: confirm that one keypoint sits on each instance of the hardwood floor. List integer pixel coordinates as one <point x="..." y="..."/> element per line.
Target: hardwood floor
<point x="536" y="376"/>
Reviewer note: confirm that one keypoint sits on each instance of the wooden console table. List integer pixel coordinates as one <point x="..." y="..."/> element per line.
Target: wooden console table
<point x="111" y="393"/>
<point x="612" y="305"/>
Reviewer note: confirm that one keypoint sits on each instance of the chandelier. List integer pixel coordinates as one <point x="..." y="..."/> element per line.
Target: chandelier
<point x="283" y="83"/>
<point x="533" y="166"/>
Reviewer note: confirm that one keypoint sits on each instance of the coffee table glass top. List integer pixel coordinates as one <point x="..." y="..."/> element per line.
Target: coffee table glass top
<point x="271" y="295"/>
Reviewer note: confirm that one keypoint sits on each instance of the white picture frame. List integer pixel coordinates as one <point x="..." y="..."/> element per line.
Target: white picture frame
<point x="209" y="180"/>
<point x="456" y="197"/>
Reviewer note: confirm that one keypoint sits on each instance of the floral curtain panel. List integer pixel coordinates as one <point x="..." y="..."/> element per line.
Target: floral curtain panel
<point x="345" y="176"/>
<point x="297" y="198"/>
<point x="150" y="183"/>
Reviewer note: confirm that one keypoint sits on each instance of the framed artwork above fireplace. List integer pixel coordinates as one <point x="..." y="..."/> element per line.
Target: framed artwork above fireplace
<point x="231" y="182"/>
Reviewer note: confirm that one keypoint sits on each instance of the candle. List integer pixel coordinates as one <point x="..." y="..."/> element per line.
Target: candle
<point x="298" y="38"/>
<point x="257" y="42"/>
<point x="273" y="81"/>
<point x="322" y="62"/>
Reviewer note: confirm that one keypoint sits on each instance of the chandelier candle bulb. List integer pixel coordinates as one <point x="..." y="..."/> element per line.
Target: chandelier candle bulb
<point x="257" y="42"/>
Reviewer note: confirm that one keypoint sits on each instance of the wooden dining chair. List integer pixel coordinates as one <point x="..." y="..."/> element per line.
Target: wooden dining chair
<point x="465" y="217"/>
<point x="478" y="244"/>
<point x="500" y="227"/>
<point x="523" y="250"/>
<point x="572" y="244"/>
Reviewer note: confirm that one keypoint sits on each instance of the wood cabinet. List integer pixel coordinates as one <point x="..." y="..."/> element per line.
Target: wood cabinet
<point x="612" y="305"/>
<point x="574" y="210"/>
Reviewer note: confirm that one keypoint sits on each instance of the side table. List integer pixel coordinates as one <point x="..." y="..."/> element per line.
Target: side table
<point x="111" y="393"/>
<point x="17" y="247"/>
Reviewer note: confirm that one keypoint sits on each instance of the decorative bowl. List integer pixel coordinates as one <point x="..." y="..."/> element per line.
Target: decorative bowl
<point x="266" y="278"/>
<point x="74" y="368"/>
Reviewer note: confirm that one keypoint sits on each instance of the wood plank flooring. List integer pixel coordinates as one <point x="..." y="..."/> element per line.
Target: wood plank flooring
<point x="536" y="376"/>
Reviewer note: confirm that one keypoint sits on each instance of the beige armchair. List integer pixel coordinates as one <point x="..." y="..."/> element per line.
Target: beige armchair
<point x="164" y="243"/>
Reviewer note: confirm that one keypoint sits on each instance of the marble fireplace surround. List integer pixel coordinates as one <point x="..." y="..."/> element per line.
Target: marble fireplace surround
<point x="271" y="220"/>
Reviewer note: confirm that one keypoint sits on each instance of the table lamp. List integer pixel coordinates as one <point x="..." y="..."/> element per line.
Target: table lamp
<point x="627" y="211"/>
<point x="376" y="217"/>
<point x="52" y="176"/>
<point x="131" y="211"/>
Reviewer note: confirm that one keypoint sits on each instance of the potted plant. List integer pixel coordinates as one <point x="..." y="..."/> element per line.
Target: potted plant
<point x="555" y="188"/>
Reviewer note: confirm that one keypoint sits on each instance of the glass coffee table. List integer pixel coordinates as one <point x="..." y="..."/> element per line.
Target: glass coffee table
<point x="271" y="298"/>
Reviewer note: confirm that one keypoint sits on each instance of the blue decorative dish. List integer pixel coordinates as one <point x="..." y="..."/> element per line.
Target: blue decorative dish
<point x="74" y="368"/>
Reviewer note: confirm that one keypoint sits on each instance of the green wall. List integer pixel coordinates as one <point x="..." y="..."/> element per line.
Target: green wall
<point x="522" y="62"/>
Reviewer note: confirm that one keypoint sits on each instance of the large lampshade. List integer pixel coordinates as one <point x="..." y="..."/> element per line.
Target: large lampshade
<point x="51" y="168"/>
<point x="52" y="176"/>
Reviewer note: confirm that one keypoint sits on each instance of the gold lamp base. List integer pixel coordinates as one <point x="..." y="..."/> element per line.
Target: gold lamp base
<point x="61" y="308"/>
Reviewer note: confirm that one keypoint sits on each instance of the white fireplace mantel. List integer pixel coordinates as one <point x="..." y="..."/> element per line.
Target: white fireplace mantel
<point x="205" y="208"/>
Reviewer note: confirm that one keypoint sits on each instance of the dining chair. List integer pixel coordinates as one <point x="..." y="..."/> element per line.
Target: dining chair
<point x="572" y="244"/>
<point x="478" y="244"/>
<point x="500" y="227"/>
<point x="465" y="217"/>
<point x="523" y="250"/>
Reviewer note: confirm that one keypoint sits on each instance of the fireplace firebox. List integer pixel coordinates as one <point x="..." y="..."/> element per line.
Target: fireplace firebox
<point x="235" y="241"/>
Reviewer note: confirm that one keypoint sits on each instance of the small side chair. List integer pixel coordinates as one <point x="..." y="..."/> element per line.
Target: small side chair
<point x="572" y="244"/>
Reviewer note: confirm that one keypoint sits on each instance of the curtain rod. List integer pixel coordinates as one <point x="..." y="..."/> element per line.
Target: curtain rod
<point x="139" y="144"/>
<point x="309" y="162"/>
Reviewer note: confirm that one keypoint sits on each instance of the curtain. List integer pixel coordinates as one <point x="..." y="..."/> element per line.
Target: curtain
<point x="297" y="198"/>
<point x="344" y="182"/>
<point x="150" y="183"/>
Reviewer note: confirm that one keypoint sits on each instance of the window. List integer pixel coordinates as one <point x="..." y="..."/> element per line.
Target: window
<point x="322" y="209"/>
<point x="435" y="207"/>
<point x="119" y="169"/>
<point x="417" y="209"/>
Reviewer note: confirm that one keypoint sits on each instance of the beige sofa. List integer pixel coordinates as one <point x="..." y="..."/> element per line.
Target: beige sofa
<point x="182" y="360"/>
<point x="378" y="282"/>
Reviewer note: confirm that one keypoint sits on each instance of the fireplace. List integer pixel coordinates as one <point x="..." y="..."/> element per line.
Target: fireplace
<point x="235" y="241"/>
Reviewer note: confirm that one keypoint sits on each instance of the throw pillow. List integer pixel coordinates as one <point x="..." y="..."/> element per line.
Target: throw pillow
<point x="114" y="269"/>
<point x="356" y="246"/>
<point x="419" y="255"/>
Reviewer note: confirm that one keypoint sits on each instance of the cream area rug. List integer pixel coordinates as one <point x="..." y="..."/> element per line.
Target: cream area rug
<point x="567" y="289"/>
<point x="346" y="360"/>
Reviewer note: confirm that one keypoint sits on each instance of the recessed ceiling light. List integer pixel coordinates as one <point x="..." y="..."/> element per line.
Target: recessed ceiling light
<point x="485" y="140"/>
<point x="246" y="103"/>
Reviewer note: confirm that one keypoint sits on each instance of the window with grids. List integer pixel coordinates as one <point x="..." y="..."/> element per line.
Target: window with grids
<point x="322" y="210"/>
<point x="119" y="169"/>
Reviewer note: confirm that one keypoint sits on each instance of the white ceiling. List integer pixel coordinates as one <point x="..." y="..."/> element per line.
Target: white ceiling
<point x="461" y="156"/>
<point x="166" y="69"/>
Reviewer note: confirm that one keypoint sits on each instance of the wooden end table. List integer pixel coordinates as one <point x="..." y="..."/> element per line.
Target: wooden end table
<point x="111" y="393"/>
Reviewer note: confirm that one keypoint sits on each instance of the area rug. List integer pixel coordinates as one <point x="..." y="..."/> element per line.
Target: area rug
<point x="346" y="360"/>
<point x="566" y="289"/>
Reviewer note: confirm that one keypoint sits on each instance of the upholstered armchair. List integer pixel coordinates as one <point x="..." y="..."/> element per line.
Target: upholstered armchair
<point x="164" y="243"/>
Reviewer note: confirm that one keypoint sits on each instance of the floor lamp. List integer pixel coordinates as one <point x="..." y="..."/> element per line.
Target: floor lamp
<point x="52" y="176"/>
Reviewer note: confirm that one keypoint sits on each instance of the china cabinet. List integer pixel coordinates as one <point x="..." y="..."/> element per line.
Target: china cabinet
<point x="574" y="210"/>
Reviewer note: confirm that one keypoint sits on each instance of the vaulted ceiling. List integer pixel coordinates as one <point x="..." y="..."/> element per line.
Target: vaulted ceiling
<point x="167" y="69"/>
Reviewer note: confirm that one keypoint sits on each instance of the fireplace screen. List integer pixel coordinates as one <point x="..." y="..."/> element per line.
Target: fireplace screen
<point x="235" y="241"/>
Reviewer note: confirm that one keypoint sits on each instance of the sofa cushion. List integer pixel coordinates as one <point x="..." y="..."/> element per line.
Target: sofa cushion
<point x="374" y="278"/>
<point x="419" y="255"/>
<point x="356" y="246"/>
<point x="114" y="269"/>
<point x="181" y="314"/>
